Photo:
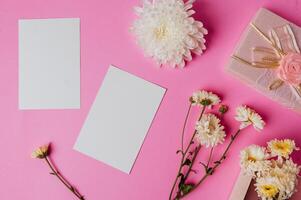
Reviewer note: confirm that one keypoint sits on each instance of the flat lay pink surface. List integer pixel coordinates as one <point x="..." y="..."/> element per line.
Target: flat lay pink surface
<point x="105" y="40"/>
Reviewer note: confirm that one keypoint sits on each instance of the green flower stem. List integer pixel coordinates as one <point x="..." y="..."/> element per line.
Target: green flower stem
<point x="183" y="131"/>
<point x="63" y="180"/>
<point x="196" y="151"/>
<point x="185" y="152"/>
<point x="210" y="156"/>
<point x="216" y="165"/>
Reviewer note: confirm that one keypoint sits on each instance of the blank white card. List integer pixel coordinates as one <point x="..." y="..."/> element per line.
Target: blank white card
<point x="49" y="63"/>
<point x="119" y="119"/>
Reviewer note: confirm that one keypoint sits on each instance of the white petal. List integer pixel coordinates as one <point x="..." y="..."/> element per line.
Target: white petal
<point x="182" y="64"/>
<point x="199" y="24"/>
<point x="202" y="45"/>
<point x="197" y="51"/>
<point x="190" y="12"/>
<point x="138" y="10"/>
<point x="190" y="2"/>
<point x="188" y="6"/>
<point x="204" y="31"/>
<point x="191" y="43"/>
<point x="187" y="55"/>
<point x="244" y="125"/>
<point x="198" y="35"/>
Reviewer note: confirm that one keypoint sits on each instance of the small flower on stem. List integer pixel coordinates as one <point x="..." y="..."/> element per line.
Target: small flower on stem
<point x="204" y="98"/>
<point x="42" y="153"/>
<point x="282" y="148"/>
<point x="209" y="131"/>
<point x="268" y="187"/>
<point x="248" y="117"/>
<point x="253" y="159"/>
<point x="223" y="109"/>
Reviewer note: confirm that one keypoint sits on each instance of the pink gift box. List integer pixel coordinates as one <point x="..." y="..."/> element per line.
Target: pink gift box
<point x="261" y="78"/>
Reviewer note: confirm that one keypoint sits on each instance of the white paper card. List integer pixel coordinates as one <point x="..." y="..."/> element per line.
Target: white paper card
<point x="119" y="119"/>
<point x="49" y="63"/>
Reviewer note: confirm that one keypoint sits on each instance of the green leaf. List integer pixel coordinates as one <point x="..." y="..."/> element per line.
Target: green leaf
<point x="181" y="182"/>
<point x="186" y="188"/>
<point x="209" y="171"/>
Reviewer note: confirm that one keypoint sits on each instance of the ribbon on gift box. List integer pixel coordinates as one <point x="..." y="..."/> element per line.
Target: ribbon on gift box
<point x="282" y="63"/>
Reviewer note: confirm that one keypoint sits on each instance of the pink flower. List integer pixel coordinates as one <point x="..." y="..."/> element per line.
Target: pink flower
<point x="290" y="69"/>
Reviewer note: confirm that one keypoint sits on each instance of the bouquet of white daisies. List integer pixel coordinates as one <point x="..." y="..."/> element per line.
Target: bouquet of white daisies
<point x="273" y="170"/>
<point x="208" y="133"/>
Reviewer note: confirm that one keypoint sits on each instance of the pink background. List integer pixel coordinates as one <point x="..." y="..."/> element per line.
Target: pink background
<point x="105" y="40"/>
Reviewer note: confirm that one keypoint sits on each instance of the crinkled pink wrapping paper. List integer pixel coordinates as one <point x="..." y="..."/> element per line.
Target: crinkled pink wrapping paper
<point x="105" y="39"/>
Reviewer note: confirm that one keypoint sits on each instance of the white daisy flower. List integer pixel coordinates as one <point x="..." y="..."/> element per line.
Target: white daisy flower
<point x="287" y="180"/>
<point x="290" y="179"/>
<point x="282" y="148"/>
<point x="253" y="160"/>
<point x="268" y="188"/>
<point x="286" y="171"/>
<point x="204" y="98"/>
<point x="276" y="178"/>
<point x="167" y="31"/>
<point x="248" y="117"/>
<point x="290" y="167"/>
<point x="41" y="152"/>
<point x="209" y="131"/>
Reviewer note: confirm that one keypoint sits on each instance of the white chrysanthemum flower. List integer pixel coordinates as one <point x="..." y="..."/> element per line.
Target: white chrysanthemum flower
<point x="254" y="160"/>
<point x="286" y="171"/>
<point x="282" y="148"/>
<point x="287" y="180"/>
<point x="41" y="152"/>
<point x="167" y="32"/>
<point x="204" y="98"/>
<point x="279" y="178"/>
<point x="290" y="167"/>
<point x="209" y="131"/>
<point x="247" y="117"/>
<point x="268" y="188"/>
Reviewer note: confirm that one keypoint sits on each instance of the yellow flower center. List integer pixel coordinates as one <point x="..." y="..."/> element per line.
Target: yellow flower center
<point x="211" y="127"/>
<point x="160" y="32"/>
<point x="269" y="190"/>
<point x="252" y="158"/>
<point x="283" y="148"/>
<point x="41" y="152"/>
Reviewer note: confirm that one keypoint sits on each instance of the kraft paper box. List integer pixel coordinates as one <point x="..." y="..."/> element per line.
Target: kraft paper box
<point x="244" y="189"/>
<point x="252" y="43"/>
